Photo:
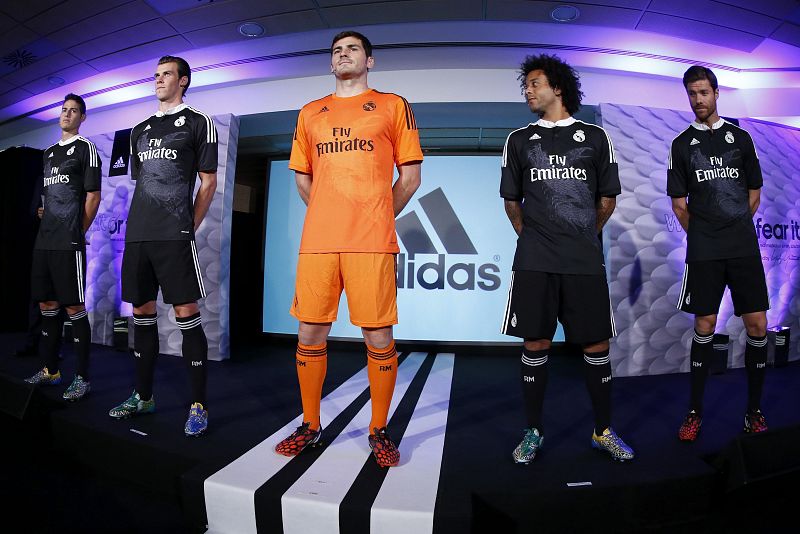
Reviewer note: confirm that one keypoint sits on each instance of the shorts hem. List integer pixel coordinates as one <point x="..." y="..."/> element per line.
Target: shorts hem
<point x="374" y="324"/>
<point x="318" y="320"/>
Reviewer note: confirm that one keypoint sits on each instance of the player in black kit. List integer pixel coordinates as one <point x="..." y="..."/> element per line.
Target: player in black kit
<point x="714" y="164"/>
<point x="168" y="151"/>
<point x="71" y="196"/>
<point x="559" y="181"/>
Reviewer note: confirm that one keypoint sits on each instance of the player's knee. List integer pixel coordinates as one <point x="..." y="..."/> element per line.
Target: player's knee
<point x="705" y="325"/>
<point x="77" y="308"/>
<point x="756" y="326"/>
<point x="48" y="305"/>
<point x="537" y="344"/>
<point x="378" y="338"/>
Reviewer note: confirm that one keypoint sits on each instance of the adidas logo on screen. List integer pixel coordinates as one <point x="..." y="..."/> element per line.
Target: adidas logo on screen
<point x="435" y="274"/>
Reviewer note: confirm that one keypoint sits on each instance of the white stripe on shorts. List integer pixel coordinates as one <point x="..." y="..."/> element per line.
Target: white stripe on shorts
<point x="504" y="326"/>
<point x="79" y="271"/>
<point x="197" y="271"/>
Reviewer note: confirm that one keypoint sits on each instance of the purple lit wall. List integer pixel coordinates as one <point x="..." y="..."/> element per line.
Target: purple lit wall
<point x="106" y="239"/>
<point x="647" y="245"/>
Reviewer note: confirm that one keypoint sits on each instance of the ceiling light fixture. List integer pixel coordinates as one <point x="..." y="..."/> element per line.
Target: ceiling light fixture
<point x="565" y="13"/>
<point x="56" y="80"/>
<point x="251" y="29"/>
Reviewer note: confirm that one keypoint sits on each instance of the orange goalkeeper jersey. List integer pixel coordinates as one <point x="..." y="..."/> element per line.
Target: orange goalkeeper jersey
<point x="350" y="147"/>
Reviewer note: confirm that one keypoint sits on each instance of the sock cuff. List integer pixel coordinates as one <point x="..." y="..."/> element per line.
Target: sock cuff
<point x="757" y="342"/>
<point x="80" y="315"/>
<point x="312" y="351"/>
<point x="149" y="319"/>
<point x="50" y="313"/>
<point x="703" y="339"/>
<point x="187" y="323"/>
<point x="597" y="358"/>
<point x="385" y="353"/>
<point x="534" y="358"/>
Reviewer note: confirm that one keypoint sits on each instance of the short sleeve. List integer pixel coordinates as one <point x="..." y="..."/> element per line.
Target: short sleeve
<point x="751" y="164"/>
<point x="136" y="165"/>
<point x="206" y="142"/>
<point x="677" y="179"/>
<point x="91" y="169"/>
<point x="406" y="134"/>
<point x="510" y="172"/>
<point x="607" y="167"/>
<point x="300" y="160"/>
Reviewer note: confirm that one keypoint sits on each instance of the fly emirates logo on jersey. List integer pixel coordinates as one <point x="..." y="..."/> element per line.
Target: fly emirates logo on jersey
<point x="342" y="142"/>
<point x="55" y="178"/>
<point x="156" y="151"/>
<point x="717" y="170"/>
<point x="557" y="170"/>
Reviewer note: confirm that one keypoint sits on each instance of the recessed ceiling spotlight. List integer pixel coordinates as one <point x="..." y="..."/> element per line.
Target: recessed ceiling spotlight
<point x="565" y="13"/>
<point x="56" y="80"/>
<point x="251" y="29"/>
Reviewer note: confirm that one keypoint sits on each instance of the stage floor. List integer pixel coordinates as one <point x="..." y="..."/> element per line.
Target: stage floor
<point x="456" y="417"/>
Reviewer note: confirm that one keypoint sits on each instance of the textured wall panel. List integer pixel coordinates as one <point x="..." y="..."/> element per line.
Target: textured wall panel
<point x="648" y="246"/>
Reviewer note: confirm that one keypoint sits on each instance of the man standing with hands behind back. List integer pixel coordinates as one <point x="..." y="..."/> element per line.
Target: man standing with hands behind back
<point x="169" y="150"/>
<point x="344" y="150"/>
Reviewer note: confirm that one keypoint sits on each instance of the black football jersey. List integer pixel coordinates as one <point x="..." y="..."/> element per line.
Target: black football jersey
<point x="167" y="151"/>
<point x="559" y="171"/>
<point x="71" y="169"/>
<point x="715" y="168"/>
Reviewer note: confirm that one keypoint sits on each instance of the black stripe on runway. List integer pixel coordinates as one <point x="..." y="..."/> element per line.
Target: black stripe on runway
<point x="354" y="511"/>
<point x="269" y="513"/>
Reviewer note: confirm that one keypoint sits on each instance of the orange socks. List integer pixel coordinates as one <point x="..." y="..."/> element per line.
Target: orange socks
<point x="312" y="363"/>
<point x="382" y="372"/>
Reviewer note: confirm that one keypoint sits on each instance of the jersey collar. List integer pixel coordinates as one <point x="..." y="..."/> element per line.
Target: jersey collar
<point x="171" y="111"/>
<point x="547" y="124"/>
<point x="68" y="141"/>
<point x="717" y="125"/>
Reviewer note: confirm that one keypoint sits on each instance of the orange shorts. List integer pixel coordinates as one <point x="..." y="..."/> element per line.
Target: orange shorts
<point x="369" y="280"/>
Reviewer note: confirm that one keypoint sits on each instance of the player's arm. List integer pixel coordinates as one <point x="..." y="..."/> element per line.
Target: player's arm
<point x="681" y="210"/>
<point x="208" y="185"/>
<point x="406" y="184"/>
<point x="303" y="181"/>
<point x="90" y="206"/>
<point x="605" y="207"/>
<point x="678" y="183"/>
<point x="514" y="212"/>
<point x="754" y="199"/>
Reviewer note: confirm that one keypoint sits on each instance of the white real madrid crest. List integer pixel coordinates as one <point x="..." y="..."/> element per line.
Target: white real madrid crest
<point x="70" y="151"/>
<point x="579" y="136"/>
<point x="729" y="137"/>
<point x="180" y="121"/>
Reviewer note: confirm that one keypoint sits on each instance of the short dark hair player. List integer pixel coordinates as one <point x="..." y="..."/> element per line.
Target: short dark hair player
<point x="71" y="196"/>
<point x="714" y="179"/>
<point x="169" y="150"/>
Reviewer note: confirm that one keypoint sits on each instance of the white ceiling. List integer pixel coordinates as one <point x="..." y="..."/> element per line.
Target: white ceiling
<point x="73" y="40"/>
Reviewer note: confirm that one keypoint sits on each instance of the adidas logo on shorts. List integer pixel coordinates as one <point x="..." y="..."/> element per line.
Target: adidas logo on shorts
<point x="119" y="164"/>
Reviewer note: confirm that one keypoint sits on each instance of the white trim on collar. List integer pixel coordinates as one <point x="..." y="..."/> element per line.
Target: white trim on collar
<point x="563" y="122"/>
<point x="714" y="126"/>
<point x="171" y="111"/>
<point x="68" y="141"/>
